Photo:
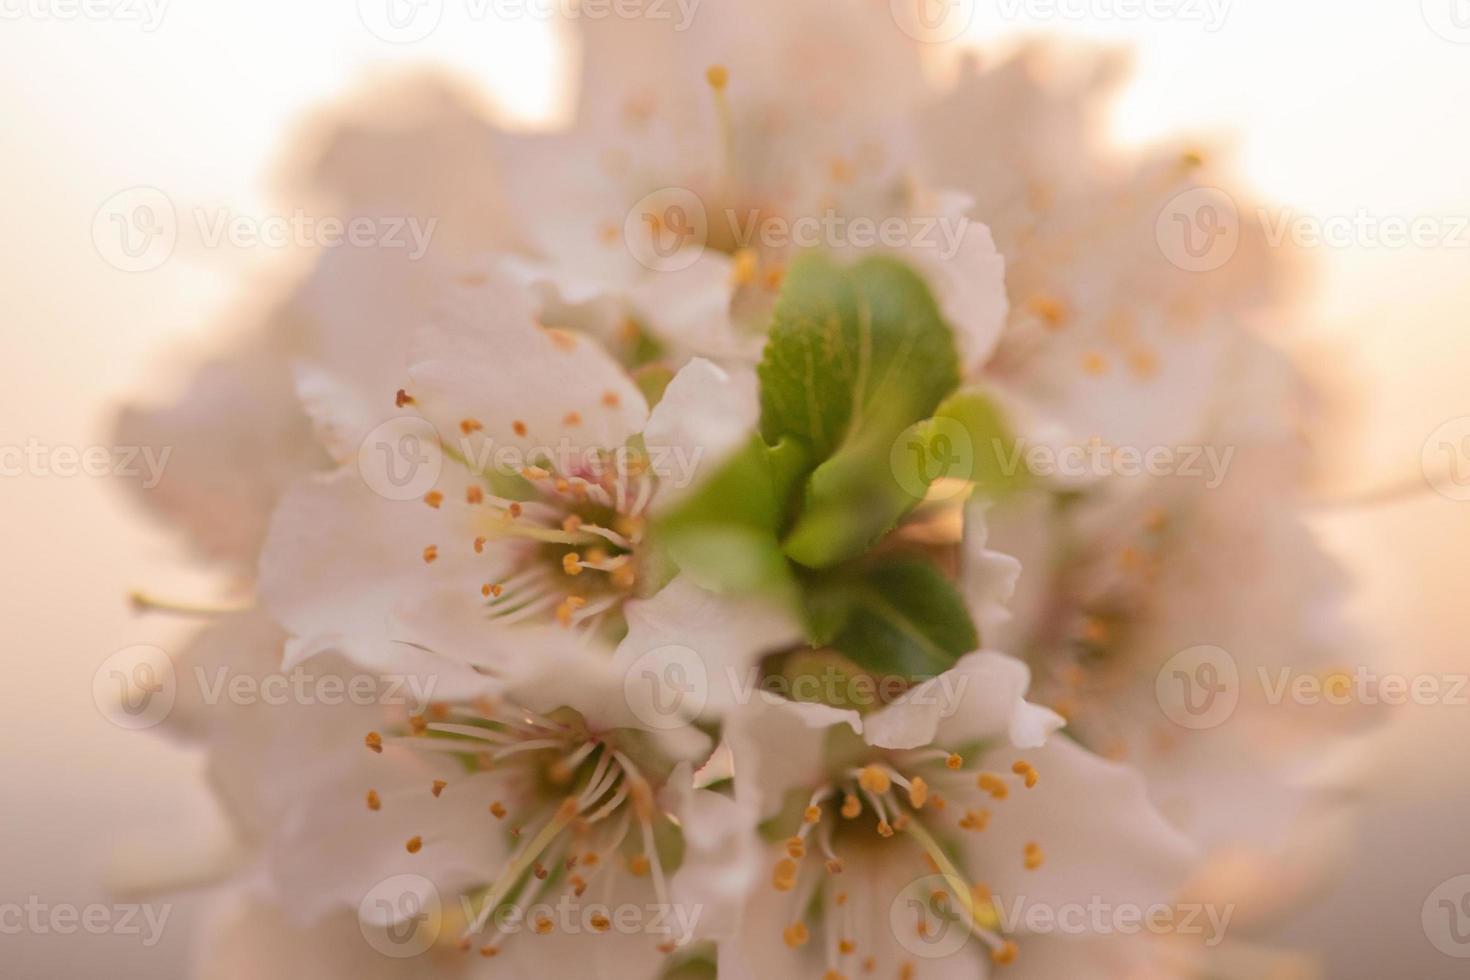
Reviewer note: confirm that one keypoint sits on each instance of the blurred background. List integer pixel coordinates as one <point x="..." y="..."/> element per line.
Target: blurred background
<point x="1329" y="110"/>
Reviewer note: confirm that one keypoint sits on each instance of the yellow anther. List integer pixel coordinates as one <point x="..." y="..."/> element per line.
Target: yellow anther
<point x="470" y="425"/>
<point x="874" y="780"/>
<point x="812" y="814"/>
<point x="918" y="792"/>
<point x="638" y="865"/>
<point x="497" y="810"/>
<point x="438" y="788"/>
<point x="1004" y="953"/>
<point x="414" y="845"/>
<point x="402" y="398"/>
<point x="567" y="607"/>
<point x="431" y="553"/>
<point x="373" y="802"/>
<point x="885" y="829"/>
<point x="796" y="847"/>
<point x="374" y="741"/>
<point x="571" y="563"/>
<point x="434" y="498"/>
<point x="601" y="923"/>
<point x="992" y="784"/>
<point x="746" y="268"/>
<point x="1027" y="772"/>
<point x="518" y="427"/>
<point x="975" y="819"/>
<point x="1048" y="309"/>
<point x="851" y="807"/>
<point x="1033" y="855"/>
<point x="954" y="761"/>
<point x="543" y="925"/>
<point x="474" y="495"/>
<point x="718" y="77"/>
<point x="783" y="878"/>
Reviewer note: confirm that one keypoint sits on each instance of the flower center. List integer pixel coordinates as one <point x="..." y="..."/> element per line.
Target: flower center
<point x="870" y="806"/>
<point x="578" y="809"/>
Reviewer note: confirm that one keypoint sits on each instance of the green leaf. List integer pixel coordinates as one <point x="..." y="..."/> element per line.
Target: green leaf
<point x="852" y="349"/>
<point x="726" y="535"/>
<point x="856" y="357"/>
<point x="901" y="617"/>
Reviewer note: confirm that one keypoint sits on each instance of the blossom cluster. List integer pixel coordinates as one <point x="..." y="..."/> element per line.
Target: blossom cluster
<point x="755" y="647"/>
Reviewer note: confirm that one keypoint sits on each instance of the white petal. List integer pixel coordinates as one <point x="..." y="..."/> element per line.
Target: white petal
<point x="486" y="359"/>
<point x="1100" y="835"/>
<point x="982" y="697"/>
<point x="706" y="413"/>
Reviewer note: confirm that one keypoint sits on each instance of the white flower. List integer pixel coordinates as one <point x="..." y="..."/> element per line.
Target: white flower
<point x="534" y="530"/>
<point x="953" y="797"/>
<point x="549" y="796"/>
